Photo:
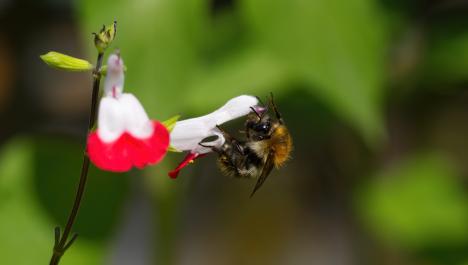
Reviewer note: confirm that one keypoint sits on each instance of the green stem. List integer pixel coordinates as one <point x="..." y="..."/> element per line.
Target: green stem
<point x="62" y="243"/>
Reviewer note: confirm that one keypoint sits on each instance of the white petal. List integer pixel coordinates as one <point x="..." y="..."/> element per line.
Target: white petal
<point x="114" y="83"/>
<point x="187" y="134"/>
<point x="235" y="108"/>
<point x="136" y="120"/>
<point x="216" y="143"/>
<point x="110" y="122"/>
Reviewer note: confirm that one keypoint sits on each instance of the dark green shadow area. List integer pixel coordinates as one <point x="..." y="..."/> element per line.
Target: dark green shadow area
<point x="57" y="165"/>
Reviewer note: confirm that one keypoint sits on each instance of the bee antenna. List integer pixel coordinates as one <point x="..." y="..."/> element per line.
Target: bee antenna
<point x="260" y="100"/>
<point x="256" y="113"/>
<point x="275" y="109"/>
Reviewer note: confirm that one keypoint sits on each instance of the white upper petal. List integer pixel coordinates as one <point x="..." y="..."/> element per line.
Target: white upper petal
<point x="122" y="114"/>
<point x="110" y="122"/>
<point x="187" y="134"/>
<point x="136" y="120"/>
<point x="235" y="108"/>
<point x="114" y="83"/>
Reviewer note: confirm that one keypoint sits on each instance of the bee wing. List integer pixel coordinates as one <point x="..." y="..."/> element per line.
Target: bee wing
<point x="265" y="173"/>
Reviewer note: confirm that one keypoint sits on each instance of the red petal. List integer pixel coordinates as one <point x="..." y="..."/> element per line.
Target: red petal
<point x="188" y="158"/>
<point x="128" y="151"/>
<point x="151" y="150"/>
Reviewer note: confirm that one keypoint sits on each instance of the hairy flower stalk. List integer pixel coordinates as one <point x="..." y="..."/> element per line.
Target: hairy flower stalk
<point x="62" y="242"/>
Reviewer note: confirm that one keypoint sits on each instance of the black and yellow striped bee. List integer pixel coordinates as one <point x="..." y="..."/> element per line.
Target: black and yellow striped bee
<point x="268" y="144"/>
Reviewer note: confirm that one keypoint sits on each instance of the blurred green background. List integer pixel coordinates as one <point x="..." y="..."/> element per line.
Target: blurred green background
<point x="374" y="92"/>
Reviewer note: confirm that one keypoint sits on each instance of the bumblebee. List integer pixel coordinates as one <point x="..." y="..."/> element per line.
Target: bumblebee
<point x="268" y="144"/>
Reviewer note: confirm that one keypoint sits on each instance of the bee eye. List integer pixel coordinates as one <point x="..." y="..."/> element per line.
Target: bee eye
<point x="263" y="127"/>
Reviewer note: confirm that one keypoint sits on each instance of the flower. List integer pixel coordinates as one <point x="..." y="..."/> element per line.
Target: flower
<point x="188" y="134"/>
<point x="125" y="136"/>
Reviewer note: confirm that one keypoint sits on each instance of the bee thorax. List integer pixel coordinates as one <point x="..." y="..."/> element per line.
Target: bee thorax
<point x="260" y="148"/>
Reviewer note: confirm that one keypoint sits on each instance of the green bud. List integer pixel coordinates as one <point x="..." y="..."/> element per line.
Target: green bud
<point x="104" y="38"/>
<point x="65" y="62"/>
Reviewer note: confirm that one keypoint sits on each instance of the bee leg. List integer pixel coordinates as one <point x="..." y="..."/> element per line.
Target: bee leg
<point x="275" y="109"/>
<point x="226" y="134"/>
<point x="231" y="138"/>
<point x="213" y="148"/>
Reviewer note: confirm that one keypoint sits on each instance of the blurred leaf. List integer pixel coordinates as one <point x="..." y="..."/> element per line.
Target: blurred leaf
<point x="253" y="71"/>
<point x="418" y="204"/>
<point x="158" y="41"/>
<point x="446" y="60"/>
<point x="336" y="47"/>
<point x="27" y="232"/>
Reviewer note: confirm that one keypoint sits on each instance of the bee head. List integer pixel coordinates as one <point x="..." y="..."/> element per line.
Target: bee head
<point x="258" y="124"/>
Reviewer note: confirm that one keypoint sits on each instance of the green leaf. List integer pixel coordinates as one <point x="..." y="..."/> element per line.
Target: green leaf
<point x="335" y="47"/>
<point x="65" y="62"/>
<point x="418" y="203"/>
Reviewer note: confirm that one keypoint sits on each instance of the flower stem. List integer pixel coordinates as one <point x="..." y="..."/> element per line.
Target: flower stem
<point x="62" y="243"/>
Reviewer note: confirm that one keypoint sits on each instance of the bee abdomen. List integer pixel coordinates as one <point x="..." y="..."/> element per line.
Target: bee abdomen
<point x="282" y="146"/>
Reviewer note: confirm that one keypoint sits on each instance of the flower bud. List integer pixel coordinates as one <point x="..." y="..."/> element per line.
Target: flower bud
<point x="105" y="37"/>
<point x="65" y="62"/>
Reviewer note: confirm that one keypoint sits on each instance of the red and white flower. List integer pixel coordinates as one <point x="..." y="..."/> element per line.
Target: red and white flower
<point x="188" y="134"/>
<point x="125" y="136"/>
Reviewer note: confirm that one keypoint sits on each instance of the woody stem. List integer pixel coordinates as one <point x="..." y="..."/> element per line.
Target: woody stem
<point x="62" y="243"/>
